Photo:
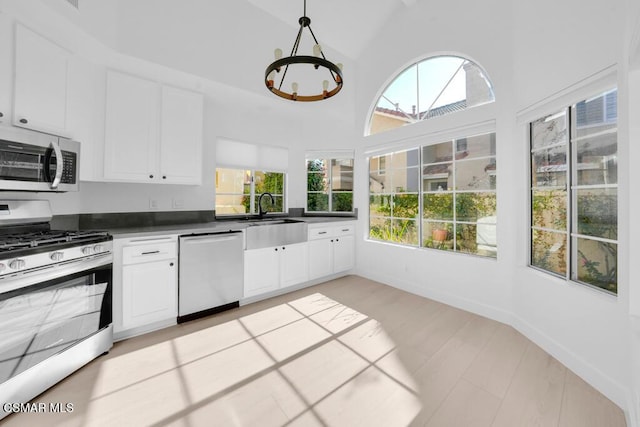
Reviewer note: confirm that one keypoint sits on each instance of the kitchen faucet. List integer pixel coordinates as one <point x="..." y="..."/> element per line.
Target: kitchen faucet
<point x="261" y="212"/>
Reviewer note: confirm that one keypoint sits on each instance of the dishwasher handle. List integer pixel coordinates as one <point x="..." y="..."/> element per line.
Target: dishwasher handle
<point x="210" y="237"/>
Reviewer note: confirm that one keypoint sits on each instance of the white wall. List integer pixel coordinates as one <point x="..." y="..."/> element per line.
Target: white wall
<point x="531" y="51"/>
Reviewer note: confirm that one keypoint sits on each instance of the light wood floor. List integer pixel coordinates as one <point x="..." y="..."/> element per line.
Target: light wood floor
<point x="350" y="352"/>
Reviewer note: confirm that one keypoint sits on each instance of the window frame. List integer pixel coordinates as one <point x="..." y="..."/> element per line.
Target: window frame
<point x="452" y="138"/>
<point x="572" y="187"/>
<point x="329" y="192"/>
<point x="253" y="211"/>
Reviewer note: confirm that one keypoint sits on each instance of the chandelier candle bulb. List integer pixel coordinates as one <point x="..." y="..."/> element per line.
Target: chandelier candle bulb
<point x="317" y="51"/>
<point x="325" y="86"/>
<point x="277" y="53"/>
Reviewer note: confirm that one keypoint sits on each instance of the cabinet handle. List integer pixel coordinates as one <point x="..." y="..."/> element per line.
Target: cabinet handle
<point x="331" y="240"/>
<point x="337" y="240"/>
<point x="23" y="121"/>
<point x="170" y="264"/>
<point x="150" y="176"/>
<point x="164" y="177"/>
<point x="150" y="252"/>
<point x="1" y="115"/>
<point x="345" y="229"/>
<point x="276" y="249"/>
<point x="322" y="232"/>
<point x="283" y="248"/>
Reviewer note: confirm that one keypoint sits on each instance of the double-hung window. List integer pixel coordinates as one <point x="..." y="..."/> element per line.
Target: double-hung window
<point x="329" y="182"/>
<point x="574" y="192"/>
<point x="238" y="191"/>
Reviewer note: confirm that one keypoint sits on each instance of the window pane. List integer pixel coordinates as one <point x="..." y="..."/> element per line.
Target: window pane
<point x="598" y="212"/>
<point x="380" y="205"/>
<point x="380" y="228"/>
<point x="401" y="96"/>
<point x="471" y="207"/>
<point x="405" y="180"/>
<point x="437" y="235"/>
<point x="549" y="130"/>
<point x="437" y="177"/>
<point x="436" y="153"/>
<point x="316" y="175"/>
<point x="486" y="236"/>
<point x="598" y="264"/>
<point x="231" y="204"/>
<point x="598" y="160"/>
<point x="269" y="182"/>
<point x="475" y="174"/>
<point x="404" y="231"/>
<point x="317" y="202"/>
<point x="232" y="180"/>
<point x="476" y="146"/>
<point x="599" y="112"/>
<point x="342" y="174"/>
<point x="379" y="183"/>
<point x="437" y="206"/>
<point x="380" y="163"/>
<point x="549" y="209"/>
<point x="549" y="167"/>
<point x="549" y="251"/>
<point x="267" y="206"/>
<point x="405" y="206"/>
<point x="342" y="202"/>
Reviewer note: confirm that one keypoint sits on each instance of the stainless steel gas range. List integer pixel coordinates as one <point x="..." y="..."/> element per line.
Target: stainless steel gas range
<point x="55" y="300"/>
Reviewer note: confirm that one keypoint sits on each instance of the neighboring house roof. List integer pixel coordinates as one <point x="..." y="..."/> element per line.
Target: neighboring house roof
<point x="435" y="112"/>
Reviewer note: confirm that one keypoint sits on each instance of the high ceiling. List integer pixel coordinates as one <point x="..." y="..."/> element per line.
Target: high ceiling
<point x="345" y="25"/>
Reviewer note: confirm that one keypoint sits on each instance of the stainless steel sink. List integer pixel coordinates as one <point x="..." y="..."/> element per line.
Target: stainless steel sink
<point x="275" y="232"/>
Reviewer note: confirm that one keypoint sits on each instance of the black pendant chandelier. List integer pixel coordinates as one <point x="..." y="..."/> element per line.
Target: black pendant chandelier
<point x="321" y="66"/>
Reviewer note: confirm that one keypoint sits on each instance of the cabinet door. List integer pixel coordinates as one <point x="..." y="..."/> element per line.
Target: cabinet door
<point x="343" y="253"/>
<point x="181" y="136"/>
<point x="40" y="96"/>
<point x="131" y="129"/>
<point x="320" y="258"/>
<point x="293" y="264"/>
<point x="149" y="292"/>
<point x="261" y="271"/>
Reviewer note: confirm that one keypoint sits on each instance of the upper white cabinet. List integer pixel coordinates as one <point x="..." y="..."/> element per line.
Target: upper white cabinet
<point x="153" y="133"/>
<point x="181" y="136"/>
<point x="131" y="131"/>
<point x="40" y="93"/>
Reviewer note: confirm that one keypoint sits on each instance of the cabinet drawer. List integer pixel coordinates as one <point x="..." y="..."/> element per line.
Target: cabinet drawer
<point x="149" y="252"/>
<point x="319" y="233"/>
<point x="343" y="230"/>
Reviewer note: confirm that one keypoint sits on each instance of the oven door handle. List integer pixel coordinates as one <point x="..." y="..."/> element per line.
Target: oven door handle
<point x="51" y="272"/>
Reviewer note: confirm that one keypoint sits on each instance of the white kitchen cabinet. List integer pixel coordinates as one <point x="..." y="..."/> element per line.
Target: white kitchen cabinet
<point x="153" y="133"/>
<point x="331" y="249"/>
<point x="273" y="268"/>
<point x="131" y="128"/>
<point x="40" y="91"/>
<point x="145" y="274"/>
<point x="181" y="136"/>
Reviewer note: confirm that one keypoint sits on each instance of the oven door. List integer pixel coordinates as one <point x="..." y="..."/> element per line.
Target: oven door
<point x="48" y="312"/>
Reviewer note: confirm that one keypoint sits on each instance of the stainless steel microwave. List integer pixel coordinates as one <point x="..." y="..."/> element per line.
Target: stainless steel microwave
<point x="33" y="161"/>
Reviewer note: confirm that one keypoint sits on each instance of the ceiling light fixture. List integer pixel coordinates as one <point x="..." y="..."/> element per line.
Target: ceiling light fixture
<point x="318" y="61"/>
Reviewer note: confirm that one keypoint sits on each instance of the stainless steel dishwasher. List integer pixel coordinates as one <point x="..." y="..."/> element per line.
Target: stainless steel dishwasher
<point x="210" y="276"/>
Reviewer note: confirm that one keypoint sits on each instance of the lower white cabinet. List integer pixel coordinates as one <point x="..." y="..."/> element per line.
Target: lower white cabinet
<point x="145" y="282"/>
<point x="272" y="268"/>
<point x="331" y="249"/>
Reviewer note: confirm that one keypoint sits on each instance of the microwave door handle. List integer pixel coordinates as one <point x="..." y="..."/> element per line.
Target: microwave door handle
<point x="58" y="177"/>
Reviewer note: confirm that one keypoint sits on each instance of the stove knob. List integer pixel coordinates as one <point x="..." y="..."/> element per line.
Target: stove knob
<point x="98" y="248"/>
<point x="56" y="256"/>
<point x="17" y="264"/>
<point x="88" y="250"/>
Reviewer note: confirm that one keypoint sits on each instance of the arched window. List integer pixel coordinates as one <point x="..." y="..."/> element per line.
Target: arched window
<point x="432" y="87"/>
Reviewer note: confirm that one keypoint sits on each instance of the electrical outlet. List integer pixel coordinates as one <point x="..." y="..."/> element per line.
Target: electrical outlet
<point x="177" y="203"/>
<point x="153" y="204"/>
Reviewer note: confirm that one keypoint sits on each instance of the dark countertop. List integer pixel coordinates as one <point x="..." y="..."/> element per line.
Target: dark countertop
<point x="207" y="227"/>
